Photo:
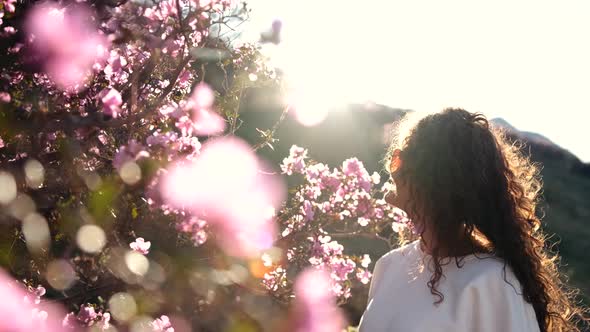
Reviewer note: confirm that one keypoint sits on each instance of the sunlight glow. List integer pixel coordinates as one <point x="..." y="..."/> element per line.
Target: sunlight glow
<point x="525" y="61"/>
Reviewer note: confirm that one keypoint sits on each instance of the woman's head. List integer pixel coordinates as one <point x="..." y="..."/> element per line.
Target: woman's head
<point x="467" y="189"/>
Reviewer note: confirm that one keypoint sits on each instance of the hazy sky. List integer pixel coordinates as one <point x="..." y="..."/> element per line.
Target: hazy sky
<point x="525" y="61"/>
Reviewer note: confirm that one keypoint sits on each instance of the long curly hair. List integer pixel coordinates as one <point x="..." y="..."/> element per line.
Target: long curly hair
<point x="468" y="184"/>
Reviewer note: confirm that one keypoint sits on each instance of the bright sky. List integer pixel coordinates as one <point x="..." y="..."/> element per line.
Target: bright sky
<point x="527" y="61"/>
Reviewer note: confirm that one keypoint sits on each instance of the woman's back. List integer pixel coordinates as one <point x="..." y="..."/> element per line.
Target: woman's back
<point x="478" y="295"/>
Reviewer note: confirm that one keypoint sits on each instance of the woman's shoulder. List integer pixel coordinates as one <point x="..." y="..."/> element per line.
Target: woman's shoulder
<point x="408" y="250"/>
<point x="484" y="271"/>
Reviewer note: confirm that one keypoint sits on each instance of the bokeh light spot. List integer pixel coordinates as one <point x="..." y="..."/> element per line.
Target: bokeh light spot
<point x="137" y="263"/>
<point x="91" y="238"/>
<point x="36" y="232"/>
<point x="60" y="274"/>
<point x="130" y="172"/>
<point x="34" y="173"/>
<point x="8" y="185"/>
<point x="22" y="206"/>
<point x="122" y="306"/>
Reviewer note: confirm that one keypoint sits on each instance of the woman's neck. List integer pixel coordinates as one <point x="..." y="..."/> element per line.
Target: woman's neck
<point x="462" y="246"/>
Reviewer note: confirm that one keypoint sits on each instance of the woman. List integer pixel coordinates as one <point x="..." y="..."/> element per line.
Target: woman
<point x="480" y="262"/>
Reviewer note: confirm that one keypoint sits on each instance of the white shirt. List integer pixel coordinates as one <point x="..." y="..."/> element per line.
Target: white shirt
<point x="476" y="297"/>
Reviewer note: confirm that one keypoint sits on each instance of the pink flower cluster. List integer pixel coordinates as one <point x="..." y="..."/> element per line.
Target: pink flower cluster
<point x="200" y="118"/>
<point x="196" y="228"/>
<point x="162" y="324"/>
<point x="328" y="255"/>
<point x="174" y="146"/>
<point x="344" y="193"/>
<point x="275" y="279"/>
<point x="86" y="317"/>
<point x="295" y="162"/>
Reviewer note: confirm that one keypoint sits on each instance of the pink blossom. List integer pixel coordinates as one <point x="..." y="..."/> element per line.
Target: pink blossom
<point x="5" y="97"/>
<point x="363" y="276"/>
<point x="104" y="322"/>
<point x="186" y="126"/>
<point x="141" y="246"/>
<point x="196" y="228"/>
<point x="9" y="5"/>
<point x="363" y="221"/>
<point x="207" y="122"/>
<point x="275" y="279"/>
<point x="133" y="151"/>
<point x="114" y="68"/>
<point x="65" y="41"/>
<point x="8" y="31"/>
<point x="307" y="210"/>
<point x="87" y="315"/>
<point x="184" y="78"/>
<point x="17" y="315"/>
<point x="111" y="100"/>
<point x="295" y="162"/>
<point x="315" y="305"/>
<point x="37" y="292"/>
<point x="365" y="261"/>
<point x="162" y="324"/>
<point x="70" y="321"/>
<point x="202" y="96"/>
<point x="226" y="186"/>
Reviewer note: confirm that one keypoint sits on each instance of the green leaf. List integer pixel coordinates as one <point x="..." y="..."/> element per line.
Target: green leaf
<point x="134" y="213"/>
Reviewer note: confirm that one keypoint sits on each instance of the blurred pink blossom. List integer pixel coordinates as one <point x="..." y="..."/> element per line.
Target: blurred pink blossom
<point x="111" y="100"/>
<point x="66" y="42"/>
<point x="9" y="5"/>
<point x="226" y="186"/>
<point x="133" y="151"/>
<point x="205" y="121"/>
<point x="315" y="305"/>
<point x="18" y="315"/>
<point x="141" y="246"/>
<point x="70" y="321"/>
<point x="8" y="31"/>
<point x="5" y="97"/>
<point x="202" y="96"/>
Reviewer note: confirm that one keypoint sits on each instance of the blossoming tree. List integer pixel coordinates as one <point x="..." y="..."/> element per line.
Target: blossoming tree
<point x="127" y="200"/>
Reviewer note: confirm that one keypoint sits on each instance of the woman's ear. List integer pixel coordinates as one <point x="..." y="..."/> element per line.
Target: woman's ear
<point x="396" y="162"/>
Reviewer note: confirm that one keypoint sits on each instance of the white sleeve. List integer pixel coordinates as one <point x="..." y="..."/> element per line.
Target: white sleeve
<point x="497" y="305"/>
<point x="378" y="271"/>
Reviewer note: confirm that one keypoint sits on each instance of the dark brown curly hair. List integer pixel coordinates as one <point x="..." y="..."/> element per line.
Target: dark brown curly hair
<point x="474" y="192"/>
